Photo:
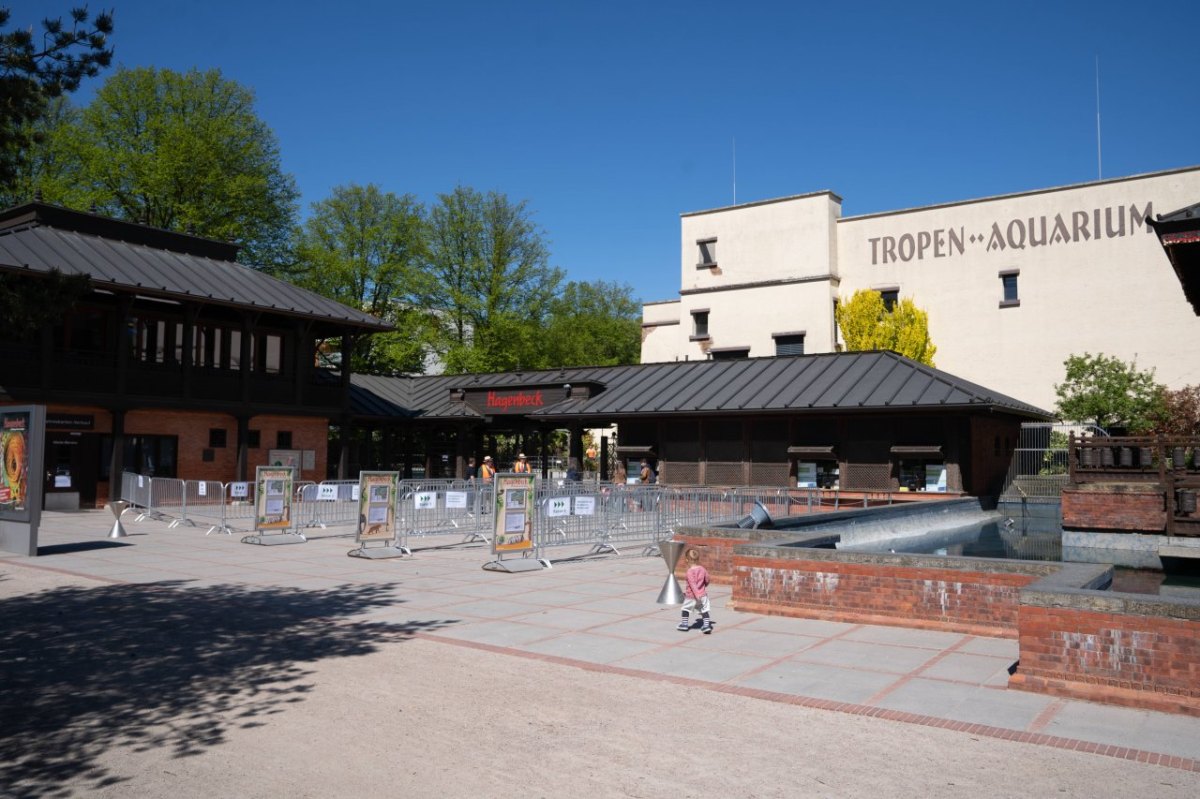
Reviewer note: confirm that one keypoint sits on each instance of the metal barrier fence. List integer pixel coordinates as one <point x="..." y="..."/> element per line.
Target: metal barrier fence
<point x="602" y="517"/>
<point x="584" y="513"/>
<point x="444" y="507"/>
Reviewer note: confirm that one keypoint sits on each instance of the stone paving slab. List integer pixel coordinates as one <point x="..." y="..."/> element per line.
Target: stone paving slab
<point x="591" y="648"/>
<point x="1011" y="709"/>
<point x="1140" y="729"/>
<point x="875" y="657"/>
<point x="819" y="681"/>
<point x="974" y="669"/>
<point x="696" y="664"/>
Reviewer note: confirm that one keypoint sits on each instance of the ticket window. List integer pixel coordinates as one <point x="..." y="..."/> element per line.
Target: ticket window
<point x="920" y="474"/>
<point x="71" y="464"/>
<point x="60" y="463"/>
<point x="633" y="470"/>
<point x="828" y="474"/>
<point x="823" y="473"/>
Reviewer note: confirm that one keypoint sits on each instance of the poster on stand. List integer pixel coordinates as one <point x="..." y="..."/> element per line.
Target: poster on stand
<point x="377" y="492"/>
<point x="514" y="513"/>
<point x="273" y="493"/>
<point x="22" y="431"/>
<point x="22" y="441"/>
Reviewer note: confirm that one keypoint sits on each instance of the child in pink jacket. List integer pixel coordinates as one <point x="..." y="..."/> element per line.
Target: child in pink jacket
<point x="696" y="593"/>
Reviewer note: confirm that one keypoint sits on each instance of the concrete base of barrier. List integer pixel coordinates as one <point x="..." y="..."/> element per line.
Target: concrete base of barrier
<point x="275" y="539"/>
<point x="379" y="552"/>
<point x="516" y="565"/>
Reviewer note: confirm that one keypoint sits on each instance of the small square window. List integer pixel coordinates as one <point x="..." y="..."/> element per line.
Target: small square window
<point x="708" y="253"/>
<point x="216" y="437"/>
<point x="729" y="354"/>
<point x="789" y="344"/>
<point x="699" y="324"/>
<point x="1008" y="282"/>
<point x="890" y="298"/>
<point x="283" y="439"/>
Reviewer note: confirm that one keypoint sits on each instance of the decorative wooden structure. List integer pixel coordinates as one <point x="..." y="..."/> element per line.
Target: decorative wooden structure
<point x="1159" y="474"/>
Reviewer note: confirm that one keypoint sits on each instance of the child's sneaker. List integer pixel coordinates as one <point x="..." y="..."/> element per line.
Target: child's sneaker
<point x="706" y="627"/>
<point x="684" y="626"/>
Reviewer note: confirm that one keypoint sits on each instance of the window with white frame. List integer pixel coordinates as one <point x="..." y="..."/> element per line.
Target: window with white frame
<point x="1010" y="298"/>
<point x="700" y="324"/>
<point x="891" y="296"/>
<point x="791" y="343"/>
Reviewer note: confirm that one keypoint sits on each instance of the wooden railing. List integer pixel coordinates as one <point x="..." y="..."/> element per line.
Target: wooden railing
<point x="1171" y="462"/>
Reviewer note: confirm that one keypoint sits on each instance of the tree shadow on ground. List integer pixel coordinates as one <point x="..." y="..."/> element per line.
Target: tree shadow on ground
<point x="86" y="670"/>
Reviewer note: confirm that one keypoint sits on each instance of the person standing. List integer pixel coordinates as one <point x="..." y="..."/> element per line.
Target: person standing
<point x="522" y="465"/>
<point x="618" y="475"/>
<point x="696" y="594"/>
<point x="472" y="470"/>
<point x="646" y="474"/>
<point x="488" y="470"/>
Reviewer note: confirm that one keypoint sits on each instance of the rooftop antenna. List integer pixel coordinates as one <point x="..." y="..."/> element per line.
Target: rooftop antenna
<point x="1099" y="169"/>
<point x="735" y="170"/>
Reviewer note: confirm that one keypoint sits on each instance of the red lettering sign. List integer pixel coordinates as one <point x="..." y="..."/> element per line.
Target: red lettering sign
<point x="507" y="401"/>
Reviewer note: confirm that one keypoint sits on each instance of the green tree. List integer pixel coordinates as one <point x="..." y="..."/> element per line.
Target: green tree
<point x="363" y="247"/>
<point x="1054" y="457"/>
<point x="867" y="324"/>
<point x="183" y="151"/>
<point x="28" y="301"/>
<point x="47" y="165"/>
<point x="488" y="278"/>
<point x="1110" y="393"/>
<point x="35" y="71"/>
<point x="593" y="324"/>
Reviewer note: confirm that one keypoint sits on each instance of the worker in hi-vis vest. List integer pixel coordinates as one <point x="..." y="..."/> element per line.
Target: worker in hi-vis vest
<point x="522" y="465"/>
<point x="488" y="470"/>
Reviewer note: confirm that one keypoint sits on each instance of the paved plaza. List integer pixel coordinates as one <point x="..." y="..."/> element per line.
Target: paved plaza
<point x="172" y="652"/>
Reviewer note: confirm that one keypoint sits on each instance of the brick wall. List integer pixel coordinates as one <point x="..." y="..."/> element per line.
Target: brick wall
<point x="307" y="433"/>
<point x="1130" y="507"/>
<point x="193" y="429"/>
<point x="1126" y="659"/>
<point x="980" y="603"/>
<point x="716" y="555"/>
<point x="192" y="432"/>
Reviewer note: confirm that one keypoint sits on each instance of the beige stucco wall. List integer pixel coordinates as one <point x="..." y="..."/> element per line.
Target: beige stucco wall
<point x="792" y="237"/>
<point x="747" y="317"/>
<point x="1114" y="293"/>
<point x="660" y="331"/>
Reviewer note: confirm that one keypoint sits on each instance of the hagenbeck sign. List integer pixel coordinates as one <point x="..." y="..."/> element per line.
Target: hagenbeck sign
<point x="514" y="401"/>
<point x="1018" y="233"/>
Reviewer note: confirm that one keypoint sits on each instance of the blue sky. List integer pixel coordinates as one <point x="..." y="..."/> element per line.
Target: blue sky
<point x="611" y="119"/>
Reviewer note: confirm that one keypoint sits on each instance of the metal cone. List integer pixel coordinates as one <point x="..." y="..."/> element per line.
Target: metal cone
<point x="671" y="593"/>
<point x="118" y="507"/>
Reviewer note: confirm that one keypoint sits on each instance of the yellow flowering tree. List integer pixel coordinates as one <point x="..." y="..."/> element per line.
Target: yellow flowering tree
<point x="867" y="324"/>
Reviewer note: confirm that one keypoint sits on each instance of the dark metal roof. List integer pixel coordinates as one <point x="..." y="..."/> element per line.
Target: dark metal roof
<point x="169" y="267"/>
<point x="836" y="382"/>
<point x="1179" y="234"/>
